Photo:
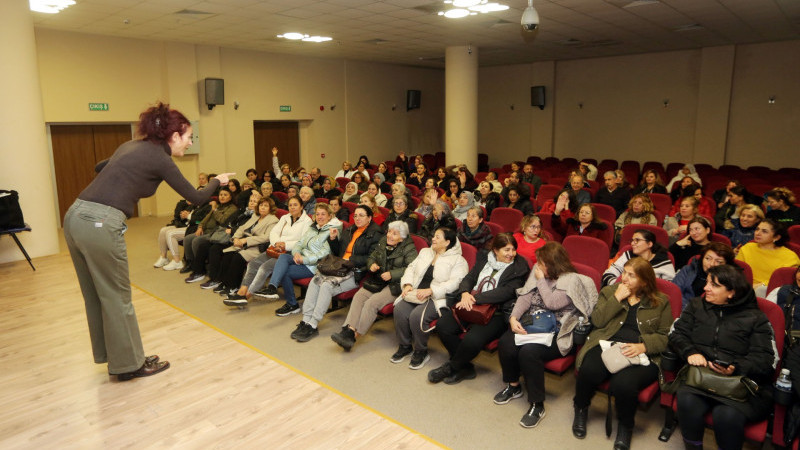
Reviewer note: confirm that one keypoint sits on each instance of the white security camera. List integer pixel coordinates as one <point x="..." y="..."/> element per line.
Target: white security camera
<point x="530" y="18"/>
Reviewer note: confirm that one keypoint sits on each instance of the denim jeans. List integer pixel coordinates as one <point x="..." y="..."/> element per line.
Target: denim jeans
<point x="286" y="271"/>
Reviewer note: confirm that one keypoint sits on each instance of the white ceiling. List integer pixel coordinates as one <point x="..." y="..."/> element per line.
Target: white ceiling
<point x="410" y="32"/>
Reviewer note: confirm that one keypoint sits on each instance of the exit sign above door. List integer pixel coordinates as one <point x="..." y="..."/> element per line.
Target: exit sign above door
<point x="286" y="108"/>
<point x="98" y="106"/>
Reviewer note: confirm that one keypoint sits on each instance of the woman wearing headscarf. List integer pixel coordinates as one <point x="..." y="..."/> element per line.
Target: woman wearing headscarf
<point x="465" y="202"/>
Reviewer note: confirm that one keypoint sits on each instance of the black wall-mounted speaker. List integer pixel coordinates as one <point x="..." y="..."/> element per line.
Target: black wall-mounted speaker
<point x="413" y="99"/>
<point x="537" y="96"/>
<point x="215" y="92"/>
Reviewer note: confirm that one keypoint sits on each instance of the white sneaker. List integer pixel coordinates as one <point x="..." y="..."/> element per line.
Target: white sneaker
<point x="173" y="265"/>
<point x="161" y="262"/>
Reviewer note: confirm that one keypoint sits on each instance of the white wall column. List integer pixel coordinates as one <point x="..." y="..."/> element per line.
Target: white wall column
<point x="25" y="162"/>
<point x="461" y="106"/>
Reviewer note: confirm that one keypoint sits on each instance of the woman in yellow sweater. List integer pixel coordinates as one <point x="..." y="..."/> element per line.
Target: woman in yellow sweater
<point x="766" y="253"/>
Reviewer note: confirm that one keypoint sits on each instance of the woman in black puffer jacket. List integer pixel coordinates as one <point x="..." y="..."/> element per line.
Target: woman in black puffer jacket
<point x="724" y="325"/>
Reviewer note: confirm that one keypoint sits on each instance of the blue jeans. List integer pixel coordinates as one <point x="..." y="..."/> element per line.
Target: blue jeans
<point x="286" y="270"/>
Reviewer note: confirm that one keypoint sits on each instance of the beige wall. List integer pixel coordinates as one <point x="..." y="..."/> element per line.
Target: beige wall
<point x="718" y="111"/>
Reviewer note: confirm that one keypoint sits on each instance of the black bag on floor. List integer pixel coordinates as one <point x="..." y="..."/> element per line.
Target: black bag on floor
<point x="10" y="212"/>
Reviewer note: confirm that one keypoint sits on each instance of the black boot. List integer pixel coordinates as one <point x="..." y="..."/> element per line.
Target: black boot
<point x="693" y="445"/>
<point x="623" y="440"/>
<point x="345" y="338"/>
<point x="579" y="422"/>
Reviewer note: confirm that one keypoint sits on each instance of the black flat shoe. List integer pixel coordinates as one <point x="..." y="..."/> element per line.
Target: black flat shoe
<point x="623" y="440"/>
<point x="579" y="422"/>
<point x="145" y="371"/>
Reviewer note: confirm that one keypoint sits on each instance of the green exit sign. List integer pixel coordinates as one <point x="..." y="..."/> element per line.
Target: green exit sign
<point x="286" y="108"/>
<point x="98" y="106"/>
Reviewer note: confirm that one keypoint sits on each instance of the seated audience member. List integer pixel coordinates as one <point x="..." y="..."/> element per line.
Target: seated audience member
<point x="195" y="246"/>
<point x="316" y="178"/>
<point x="644" y="245"/>
<point x="613" y="195"/>
<point x="306" y="181"/>
<point x="724" y="325"/>
<point x="442" y="178"/>
<point x="513" y="180"/>
<point x="705" y="206"/>
<point x="299" y="174"/>
<point x="466" y="181"/>
<point x="636" y="316"/>
<point x="235" y="189"/>
<point x="677" y="192"/>
<point x="369" y="201"/>
<point x="651" y="184"/>
<point x="515" y="199"/>
<point x="491" y="177"/>
<point x="782" y="208"/>
<point x="286" y="183"/>
<point x="640" y="211"/>
<point x="343" y="214"/>
<point x="278" y="168"/>
<point x="380" y="180"/>
<point x="170" y="235"/>
<point x="622" y="181"/>
<point x="400" y="211"/>
<point x="474" y="231"/>
<point x="742" y="230"/>
<point x="493" y="280"/>
<point x="440" y="217"/>
<point x="364" y="159"/>
<point x="377" y="195"/>
<point x="429" y="198"/>
<point x="588" y="170"/>
<point x="400" y="190"/>
<point x="430" y="183"/>
<point x="465" y="202"/>
<point x="272" y="179"/>
<point x="387" y="262"/>
<point x="577" y="183"/>
<point x="351" y="193"/>
<point x="226" y="270"/>
<point x="692" y="277"/>
<point x="361" y="168"/>
<point x="730" y="208"/>
<point x="527" y="176"/>
<point x="346" y="170"/>
<point x="360" y="180"/>
<point x="397" y="171"/>
<point x="355" y="244"/>
<point x="451" y="194"/>
<point x="418" y="177"/>
<point x="302" y="261"/>
<point x="568" y="200"/>
<point x="676" y="225"/>
<point x="767" y="253"/>
<point x="309" y="202"/>
<point x="585" y="223"/>
<point x="486" y="197"/>
<point x="553" y="287"/>
<point x="721" y="196"/>
<point x="267" y="192"/>
<point x="328" y="189"/>
<point x="697" y="237"/>
<point x="786" y="296"/>
<point x="282" y="237"/>
<point x="686" y="171"/>
<point x="436" y="272"/>
<point x="530" y="237"/>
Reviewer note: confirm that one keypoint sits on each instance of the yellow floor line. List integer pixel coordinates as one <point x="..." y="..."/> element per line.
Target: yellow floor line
<point x="300" y="372"/>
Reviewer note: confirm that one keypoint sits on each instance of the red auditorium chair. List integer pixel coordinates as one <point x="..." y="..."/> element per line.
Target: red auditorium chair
<point x="587" y="250"/>
<point x="508" y="218"/>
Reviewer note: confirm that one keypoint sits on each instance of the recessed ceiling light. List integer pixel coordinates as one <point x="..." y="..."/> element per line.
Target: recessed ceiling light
<point x="456" y="13"/>
<point x="489" y="7"/>
<point x="50" y="6"/>
<point x="293" y="36"/>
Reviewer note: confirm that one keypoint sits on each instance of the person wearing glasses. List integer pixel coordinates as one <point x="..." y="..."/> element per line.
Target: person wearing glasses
<point x="530" y="238"/>
<point x="401" y="212"/>
<point x="643" y="244"/>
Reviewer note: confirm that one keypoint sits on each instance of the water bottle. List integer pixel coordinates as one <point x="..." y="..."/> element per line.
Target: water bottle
<point x="581" y="331"/>
<point x="783" y="388"/>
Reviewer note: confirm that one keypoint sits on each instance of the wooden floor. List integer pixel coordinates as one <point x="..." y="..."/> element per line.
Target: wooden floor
<point x="218" y="394"/>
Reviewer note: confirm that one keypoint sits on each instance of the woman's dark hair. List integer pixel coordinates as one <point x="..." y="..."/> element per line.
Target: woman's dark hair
<point x="778" y="229"/>
<point x="503" y="239"/>
<point x="595" y="218"/>
<point x="702" y="221"/>
<point x="738" y="190"/>
<point x="236" y="183"/>
<point x="647" y="279"/>
<point x="249" y="171"/>
<point x="689" y="190"/>
<point x="338" y="198"/>
<point x="360" y="175"/>
<point x="366" y="209"/>
<point x="573" y="199"/>
<point x="365" y="160"/>
<point x="159" y="122"/>
<point x="296" y="197"/>
<point x="723" y="250"/>
<point x="556" y="260"/>
<point x="423" y="165"/>
<point x="287" y="177"/>
<point x="267" y="172"/>
<point x="731" y="278"/>
<point x="649" y="236"/>
<point x="781" y="194"/>
<point x="225" y="189"/>
<point x="449" y="235"/>
<point x="508" y="190"/>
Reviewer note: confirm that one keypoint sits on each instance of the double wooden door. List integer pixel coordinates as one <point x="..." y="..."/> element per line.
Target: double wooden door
<point x="285" y="136"/>
<point x="76" y="150"/>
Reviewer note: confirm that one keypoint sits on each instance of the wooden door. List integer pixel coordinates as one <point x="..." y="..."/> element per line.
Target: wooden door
<point x="285" y="136"/>
<point x="76" y="150"/>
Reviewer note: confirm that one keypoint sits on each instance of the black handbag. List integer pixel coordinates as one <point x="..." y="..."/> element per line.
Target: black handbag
<point x="10" y="212"/>
<point x="375" y="284"/>
<point x="220" y="236"/>
<point x="335" y="266"/>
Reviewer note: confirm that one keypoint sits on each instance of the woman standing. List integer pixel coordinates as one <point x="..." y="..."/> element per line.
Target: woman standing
<point x="727" y="333"/>
<point x="492" y="281"/>
<point x="436" y="272"/>
<point x="636" y="316"/>
<point x="555" y="287"/>
<point x="94" y="229"/>
<point x="388" y="261"/>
